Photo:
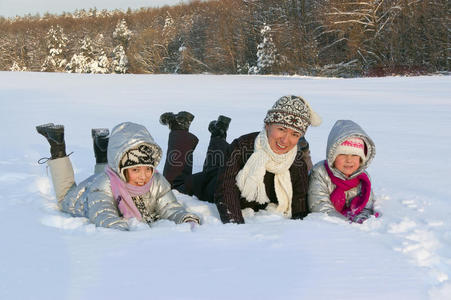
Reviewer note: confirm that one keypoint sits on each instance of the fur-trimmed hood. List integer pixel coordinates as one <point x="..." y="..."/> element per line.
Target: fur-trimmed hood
<point x="342" y="130"/>
<point x="126" y="136"/>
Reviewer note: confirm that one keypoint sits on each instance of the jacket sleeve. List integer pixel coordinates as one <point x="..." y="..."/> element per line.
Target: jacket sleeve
<point x="102" y="208"/>
<point x="167" y="205"/>
<point x="227" y="195"/>
<point x="319" y="193"/>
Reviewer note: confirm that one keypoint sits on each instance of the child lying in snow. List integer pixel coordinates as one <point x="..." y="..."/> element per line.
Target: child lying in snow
<point x="126" y="188"/>
<point x="339" y="185"/>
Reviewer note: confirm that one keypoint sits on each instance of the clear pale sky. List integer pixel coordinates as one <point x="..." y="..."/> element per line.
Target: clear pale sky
<point x="12" y="8"/>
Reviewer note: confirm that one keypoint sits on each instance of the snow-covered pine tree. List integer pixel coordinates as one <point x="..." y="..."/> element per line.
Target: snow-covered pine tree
<point x="56" y="44"/>
<point x="119" y="62"/>
<point x="16" y="68"/>
<point x="122" y="34"/>
<point x="266" y="53"/>
<point x="77" y="64"/>
<point x="101" y="65"/>
<point x="91" y="59"/>
<point x="81" y="62"/>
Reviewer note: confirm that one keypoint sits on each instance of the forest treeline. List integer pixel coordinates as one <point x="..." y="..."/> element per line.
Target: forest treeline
<point x="307" y="37"/>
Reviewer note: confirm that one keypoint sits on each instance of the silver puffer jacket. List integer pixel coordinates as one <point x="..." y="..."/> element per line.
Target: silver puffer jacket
<point x="93" y="198"/>
<point x="320" y="184"/>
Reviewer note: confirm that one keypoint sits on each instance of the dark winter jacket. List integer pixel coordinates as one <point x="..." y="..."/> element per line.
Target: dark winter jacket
<point x="228" y="197"/>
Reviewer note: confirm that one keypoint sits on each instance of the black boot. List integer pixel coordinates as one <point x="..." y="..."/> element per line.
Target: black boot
<point x="100" y="140"/>
<point x="55" y="136"/>
<point x="180" y="121"/>
<point x="219" y="127"/>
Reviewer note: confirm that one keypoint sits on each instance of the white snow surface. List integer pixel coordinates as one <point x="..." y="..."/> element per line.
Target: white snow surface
<point x="405" y="254"/>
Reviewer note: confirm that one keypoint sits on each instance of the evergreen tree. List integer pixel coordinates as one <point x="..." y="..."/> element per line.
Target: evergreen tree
<point x="91" y="59"/>
<point x="122" y="34"/>
<point x="81" y="62"/>
<point x="56" y="44"/>
<point x="266" y="53"/>
<point x="16" y="68"/>
<point x="119" y="63"/>
<point x="101" y="65"/>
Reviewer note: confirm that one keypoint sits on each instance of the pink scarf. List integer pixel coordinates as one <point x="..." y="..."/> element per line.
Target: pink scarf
<point x="123" y="193"/>
<point x="338" y="197"/>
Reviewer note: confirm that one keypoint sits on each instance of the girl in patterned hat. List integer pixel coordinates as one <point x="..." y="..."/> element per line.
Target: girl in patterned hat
<point x="128" y="187"/>
<point x="260" y="170"/>
<point x="339" y="185"/>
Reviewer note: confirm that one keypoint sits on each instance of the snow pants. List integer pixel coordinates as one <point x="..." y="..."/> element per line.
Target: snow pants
<point x="178" y="168"/>
<point x="62" y="176"/>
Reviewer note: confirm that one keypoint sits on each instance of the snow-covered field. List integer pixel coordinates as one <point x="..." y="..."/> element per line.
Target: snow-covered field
<point x="405" y="254"/>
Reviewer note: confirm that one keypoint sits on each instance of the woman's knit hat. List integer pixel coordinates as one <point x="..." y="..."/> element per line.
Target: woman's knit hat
<point x="142" y="155"/>
<point x="293" y="112"/>
<point x="352" y="146"/>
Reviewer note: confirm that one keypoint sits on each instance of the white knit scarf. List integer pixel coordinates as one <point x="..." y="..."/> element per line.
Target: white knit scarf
<point x="250" y="180"/>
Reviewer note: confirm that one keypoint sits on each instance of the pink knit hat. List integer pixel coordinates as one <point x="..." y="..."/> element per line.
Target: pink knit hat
<point x="353" y="146"/>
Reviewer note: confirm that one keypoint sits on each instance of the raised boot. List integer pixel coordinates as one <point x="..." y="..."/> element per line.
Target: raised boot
<point x="179" y="121"/>
<point x="60" y="166"/>
<point x="183" y="120"/>
<point x="55" y="136"/>
<point x="219" y="127"/>
<point x="167" y="119"/>
<point x="100" y="141"/>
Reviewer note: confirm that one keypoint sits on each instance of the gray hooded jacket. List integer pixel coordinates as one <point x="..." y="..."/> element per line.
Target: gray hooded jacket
<point x="93" y="198"/>
<point x="320" y="184"/>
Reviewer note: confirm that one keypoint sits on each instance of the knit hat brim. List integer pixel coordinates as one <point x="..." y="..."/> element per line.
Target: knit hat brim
<point x="352" y="146"/>
<point x="142" y="155"/>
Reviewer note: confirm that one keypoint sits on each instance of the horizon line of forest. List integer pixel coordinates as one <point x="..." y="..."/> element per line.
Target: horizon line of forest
<point x="304" y="37"/>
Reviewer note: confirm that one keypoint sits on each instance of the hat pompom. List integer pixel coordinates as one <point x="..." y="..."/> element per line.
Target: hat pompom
<point x="315" y="119"/>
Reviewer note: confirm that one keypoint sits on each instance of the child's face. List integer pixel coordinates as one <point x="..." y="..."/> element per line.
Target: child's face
<point x="138" y="176"/>
<point x="347" y="164"/>
<point x="281" y="139"/>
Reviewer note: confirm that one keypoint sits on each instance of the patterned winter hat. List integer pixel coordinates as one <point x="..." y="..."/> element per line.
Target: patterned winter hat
<point x="293" y="112"/>
<point x="142" y="155"/>
<point x="352" y="146"/>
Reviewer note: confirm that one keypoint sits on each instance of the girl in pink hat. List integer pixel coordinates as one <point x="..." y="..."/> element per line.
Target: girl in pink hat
<point x="339" y="186"/>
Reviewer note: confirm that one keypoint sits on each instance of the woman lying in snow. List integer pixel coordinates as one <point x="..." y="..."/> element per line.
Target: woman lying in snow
<point x="339" y="185"/>
<point x="260" y="170"/>
<point x="128" y="187"/>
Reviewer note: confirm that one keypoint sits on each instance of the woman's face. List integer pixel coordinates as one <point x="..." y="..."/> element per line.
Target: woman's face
<point x="281" y="139"/>
<point x="347" y="163"/>
<point x="138" y="176"/>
